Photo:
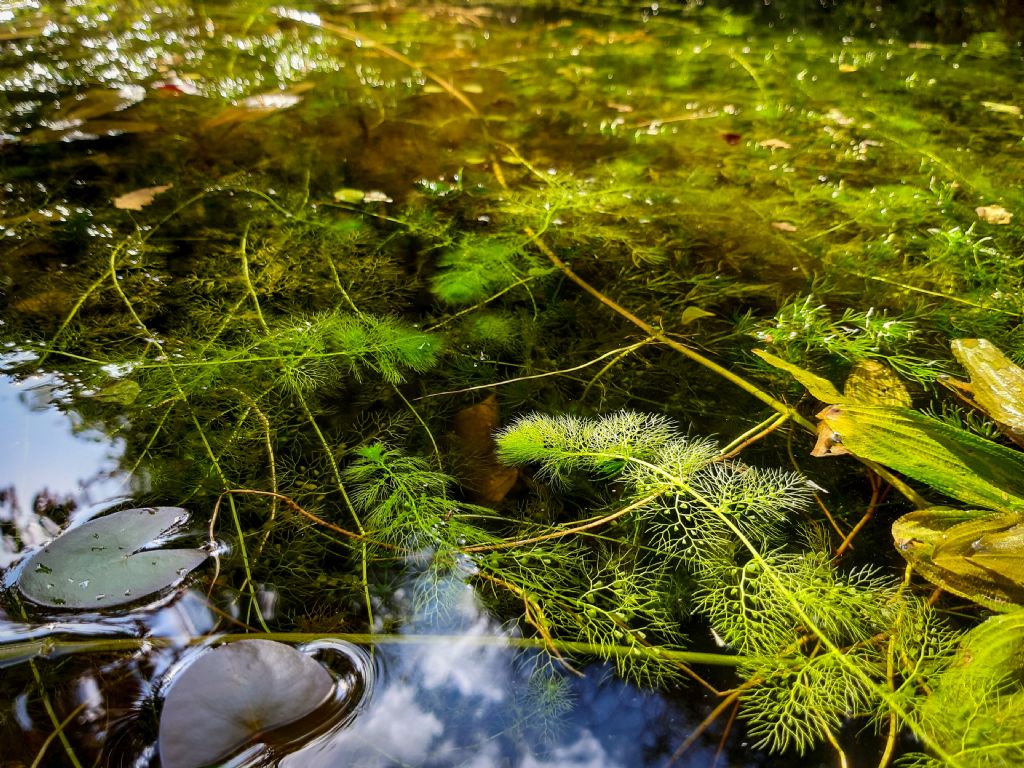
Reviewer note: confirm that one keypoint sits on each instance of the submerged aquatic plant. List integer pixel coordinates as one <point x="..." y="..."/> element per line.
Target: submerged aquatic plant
<point x="815" y="641"/>
<point x="255" y="333"/>
<point x="476" y="267"/>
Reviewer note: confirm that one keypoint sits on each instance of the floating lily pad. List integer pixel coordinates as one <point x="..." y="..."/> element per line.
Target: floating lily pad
<point x="232" y="694"/>
<point x="102" y="563"/>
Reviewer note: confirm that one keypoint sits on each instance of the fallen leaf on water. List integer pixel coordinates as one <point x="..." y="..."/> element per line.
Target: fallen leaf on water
<point x="115" y="127"/>
<point x="774" y="144"/>
<point x="993" y="214"/>
<point x="139" y="198"/>
<point x="93" y="103"/>
<point x="487" y="480"/>
<point x="348" y="195"/>
<point x="1006" y="109"/>
<point x="258" y="106"/>
<point x="784" y="226"/>
<point x="76" y="117"/>
<point x="692" y="314"/>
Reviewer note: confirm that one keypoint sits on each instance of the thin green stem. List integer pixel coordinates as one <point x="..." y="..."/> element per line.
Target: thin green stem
<point x="49" y="648"/>
<point x="242" y="250"/>
<point x="56" y="733"/>
<point x="660" y="335"/>
<point x="419" y="418"/>
<point x="200" y="431"/>
<point x="52" y="714"/>
<point x="336" y="471"/>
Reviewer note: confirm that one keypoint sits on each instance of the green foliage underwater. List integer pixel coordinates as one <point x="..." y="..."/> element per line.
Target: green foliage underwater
<point x="648" y="326"/>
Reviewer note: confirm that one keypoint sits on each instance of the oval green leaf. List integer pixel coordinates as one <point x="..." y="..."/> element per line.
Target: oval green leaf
<point x="102" y="563"/>
<point x="976" y="554"/>
<point x="873" y="383"/>
<point x="975" y="705"/>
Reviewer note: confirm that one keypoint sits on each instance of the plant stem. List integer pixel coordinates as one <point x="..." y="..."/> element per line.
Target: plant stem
<point x="52" y="648"/>
<point x="661" y="336"/>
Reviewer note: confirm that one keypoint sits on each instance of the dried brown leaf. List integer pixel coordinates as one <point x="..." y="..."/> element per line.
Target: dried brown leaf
<point x="993" y="214"/>
<point x="487" y="480"/>
<point x="138" y="199"/>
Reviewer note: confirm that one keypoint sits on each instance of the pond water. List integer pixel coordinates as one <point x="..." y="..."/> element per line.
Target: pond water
<point x="293" y="267"/>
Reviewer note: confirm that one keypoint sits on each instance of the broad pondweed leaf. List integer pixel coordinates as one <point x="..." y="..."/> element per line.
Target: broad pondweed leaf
<point x="976" y="554"/>
<point x="76" y="117"/>
<point x="258" y="106"/>
<point x="869" y="382"/>
<point x="818" y="386"/>
<point x="997" y="385"/>
<point x="950" y="460"/>
<point x="873" y="383"/>
<point x="231" y="695"/>
<point x="120" y="392"/>
<point x="103" y="562"/>
<point x="976" y="707"/>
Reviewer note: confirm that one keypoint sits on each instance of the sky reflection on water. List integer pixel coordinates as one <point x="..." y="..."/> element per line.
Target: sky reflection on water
<point x="48" y="458"/>
<point x="471" y="704"/>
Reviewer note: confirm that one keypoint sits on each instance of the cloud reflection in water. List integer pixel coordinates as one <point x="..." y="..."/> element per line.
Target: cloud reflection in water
<point x="462" y="702"/>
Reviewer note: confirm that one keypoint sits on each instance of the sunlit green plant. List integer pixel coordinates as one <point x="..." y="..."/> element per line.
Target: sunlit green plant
<point x="812" y="635"/>
<point x="477" y="266"/>
<point x="806" y="330"/>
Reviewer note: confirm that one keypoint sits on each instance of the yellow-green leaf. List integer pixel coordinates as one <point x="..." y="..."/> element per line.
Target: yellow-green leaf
<point x="819" y="387"/>
<point x="954" y="462"/>
<point x="974" y="708"/>
<point x="996" y="383"/>
<point x="692" y="314"/>
<point x="976" y="554"/>
<point x="873" y="383"/>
